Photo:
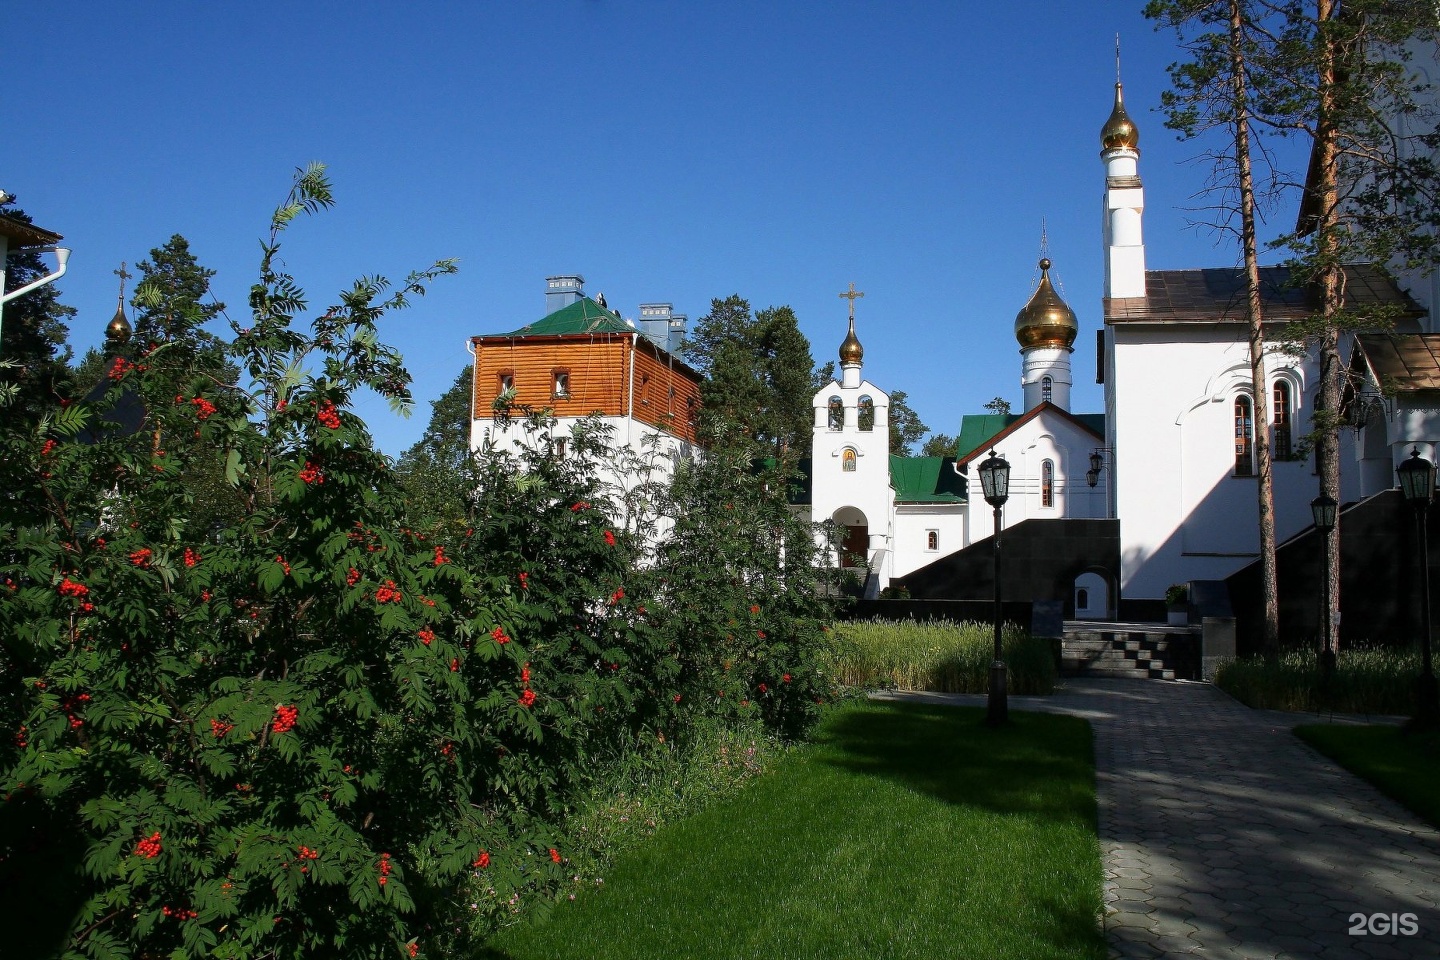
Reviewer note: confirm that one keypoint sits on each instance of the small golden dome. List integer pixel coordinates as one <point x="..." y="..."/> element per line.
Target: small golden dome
<point x="1119" y="131"/>
<point x="118" y="330"/>
<point x="850" y="350"/>
<point x="1046" y="321"/>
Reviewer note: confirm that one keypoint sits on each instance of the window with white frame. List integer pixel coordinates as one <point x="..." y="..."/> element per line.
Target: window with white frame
<point x="1244" y="437"/>
<point x="1282" y="414"/>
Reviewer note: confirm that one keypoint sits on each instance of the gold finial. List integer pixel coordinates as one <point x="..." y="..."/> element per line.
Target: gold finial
<point x="1046" y="321"/>
<point x="118" y="330"/>
<point x="850" y="350"/>
<point x="1119" y="131"/>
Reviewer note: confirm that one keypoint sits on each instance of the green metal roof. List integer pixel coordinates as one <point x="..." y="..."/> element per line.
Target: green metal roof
<point x="977" y="428"/>
<point x="582" y="316"/>
<point x="926" y="480"/>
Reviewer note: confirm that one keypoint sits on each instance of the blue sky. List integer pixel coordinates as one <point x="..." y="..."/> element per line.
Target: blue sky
<point x="666" y="151"/>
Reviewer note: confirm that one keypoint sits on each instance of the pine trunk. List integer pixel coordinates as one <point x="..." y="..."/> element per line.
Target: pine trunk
<point x="1265" y="493"/>
<point x="1332" y="291"/>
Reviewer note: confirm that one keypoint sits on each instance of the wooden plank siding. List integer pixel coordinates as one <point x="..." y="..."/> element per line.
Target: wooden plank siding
<point x="667" y="393"/>
<point x="599" y="378"/>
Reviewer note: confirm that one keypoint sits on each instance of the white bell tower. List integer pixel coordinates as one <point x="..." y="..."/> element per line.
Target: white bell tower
<point x="1124" y="202"/>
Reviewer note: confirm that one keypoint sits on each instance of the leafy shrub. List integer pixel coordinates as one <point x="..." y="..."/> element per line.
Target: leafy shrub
<point x="942" y="656"/>
<point x="308" y="733"/>
<point x="1378" y="681"/>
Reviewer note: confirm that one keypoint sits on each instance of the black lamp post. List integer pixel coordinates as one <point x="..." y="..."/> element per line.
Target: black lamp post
<point x="995" y="482"/>
<point x="1322" y="511"/>
<point x="1417" y="484"/>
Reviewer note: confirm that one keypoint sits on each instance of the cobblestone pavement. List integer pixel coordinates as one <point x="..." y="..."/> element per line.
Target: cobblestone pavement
<point x="1224" y="835"/>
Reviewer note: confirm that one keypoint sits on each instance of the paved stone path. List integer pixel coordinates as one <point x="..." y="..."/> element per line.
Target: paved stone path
<point x="1225" y="836"/>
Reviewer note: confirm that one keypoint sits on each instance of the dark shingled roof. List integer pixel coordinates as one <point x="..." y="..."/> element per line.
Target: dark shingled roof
<point x="1409" y="362"/>
<point x="1217" y="295"/>
<point x="22" y="234"/>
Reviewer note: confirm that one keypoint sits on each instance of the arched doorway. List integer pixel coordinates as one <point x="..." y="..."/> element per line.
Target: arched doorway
<point x="1092" y="597"/>
<point x="855" y="537"/>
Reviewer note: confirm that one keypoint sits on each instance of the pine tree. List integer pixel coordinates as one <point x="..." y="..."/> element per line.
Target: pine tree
<point x="1214" y="90"/>
<point x="939" y="445"/>
<point x="434" y="471"/>
<point x="906" y="427"/>
<point x="33" y="334"/>
<point x="759" y="377"/>
<point x="173" y="304"/>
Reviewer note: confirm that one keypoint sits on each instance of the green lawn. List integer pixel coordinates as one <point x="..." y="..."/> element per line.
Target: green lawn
<point x="906" y="830"/>
<point x="1404" y="766"/>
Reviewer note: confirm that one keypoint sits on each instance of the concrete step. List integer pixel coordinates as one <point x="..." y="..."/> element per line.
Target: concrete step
<point x="1138" y="651"/>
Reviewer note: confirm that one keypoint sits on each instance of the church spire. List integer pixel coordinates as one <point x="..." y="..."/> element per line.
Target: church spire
<point x="851" y="353"/>
<point x="117" y="331"/>
<point x="1124" y="199"/>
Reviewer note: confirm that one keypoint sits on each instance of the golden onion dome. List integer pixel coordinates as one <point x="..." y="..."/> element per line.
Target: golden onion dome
<point x="1046" y="321"/>
<point x="1119" y="131"/>
<point x="118" y="330"/>
<point x="850" y="350"/>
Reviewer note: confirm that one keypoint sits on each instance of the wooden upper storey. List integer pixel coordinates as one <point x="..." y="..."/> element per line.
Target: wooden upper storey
<point x="613" y="374"/>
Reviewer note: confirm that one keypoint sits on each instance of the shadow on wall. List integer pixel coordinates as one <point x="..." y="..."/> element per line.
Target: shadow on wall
<point x="1379" y="579"/>
<point x="1040" y="560"/>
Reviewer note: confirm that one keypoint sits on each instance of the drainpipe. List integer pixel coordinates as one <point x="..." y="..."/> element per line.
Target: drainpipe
<point x="630" y="396"/>
<point x="470" y="349"/>
<point x="62" y="254"/>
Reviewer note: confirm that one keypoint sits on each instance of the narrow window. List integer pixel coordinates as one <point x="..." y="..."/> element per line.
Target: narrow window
<point x="1047" y="484"/>
<point x="847" y="460"/>
<point x="557" y="447"/>
<point x="644" y="391"/>
<point x="507" y="381"/>
<point x="1047" y="389"/>
<point x="561" y="384"/>
<point x="1082" y="599"/>
<point x="1284" y="446"/>
<point x="932" y="540"/>
<point x="1244" y="436"/>
<point x="836" y="413"/>
<point x="866" y="414"/>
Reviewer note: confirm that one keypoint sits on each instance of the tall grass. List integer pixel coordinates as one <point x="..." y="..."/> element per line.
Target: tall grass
<point x="1366" y="681"/>
<point x="942" y="656"/>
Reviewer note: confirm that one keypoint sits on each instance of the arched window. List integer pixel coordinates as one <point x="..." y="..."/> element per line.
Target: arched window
<point x="1082" y="599"/>
<point x="847" y="460"/>
<point x="1244" y="437"/>
<point x="836" y="409"/>
<point x="866" y="414"/>
<point x="1047" y="389"/>
<point x="1283" y="415"/>
<point x="932" y="539"/>
<point x="1047" y="483"/>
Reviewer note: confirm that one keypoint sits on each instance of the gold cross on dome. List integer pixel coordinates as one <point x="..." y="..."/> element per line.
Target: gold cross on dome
<point x="125" y="275"/>
<point x="852" y="296"/>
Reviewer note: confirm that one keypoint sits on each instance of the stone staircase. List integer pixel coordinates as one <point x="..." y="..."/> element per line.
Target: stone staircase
<point x="1138" y="651"/>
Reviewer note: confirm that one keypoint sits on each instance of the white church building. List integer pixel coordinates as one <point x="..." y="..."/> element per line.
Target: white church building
<point x="1171" y="458"/>
<point x="1166" y="471"/>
